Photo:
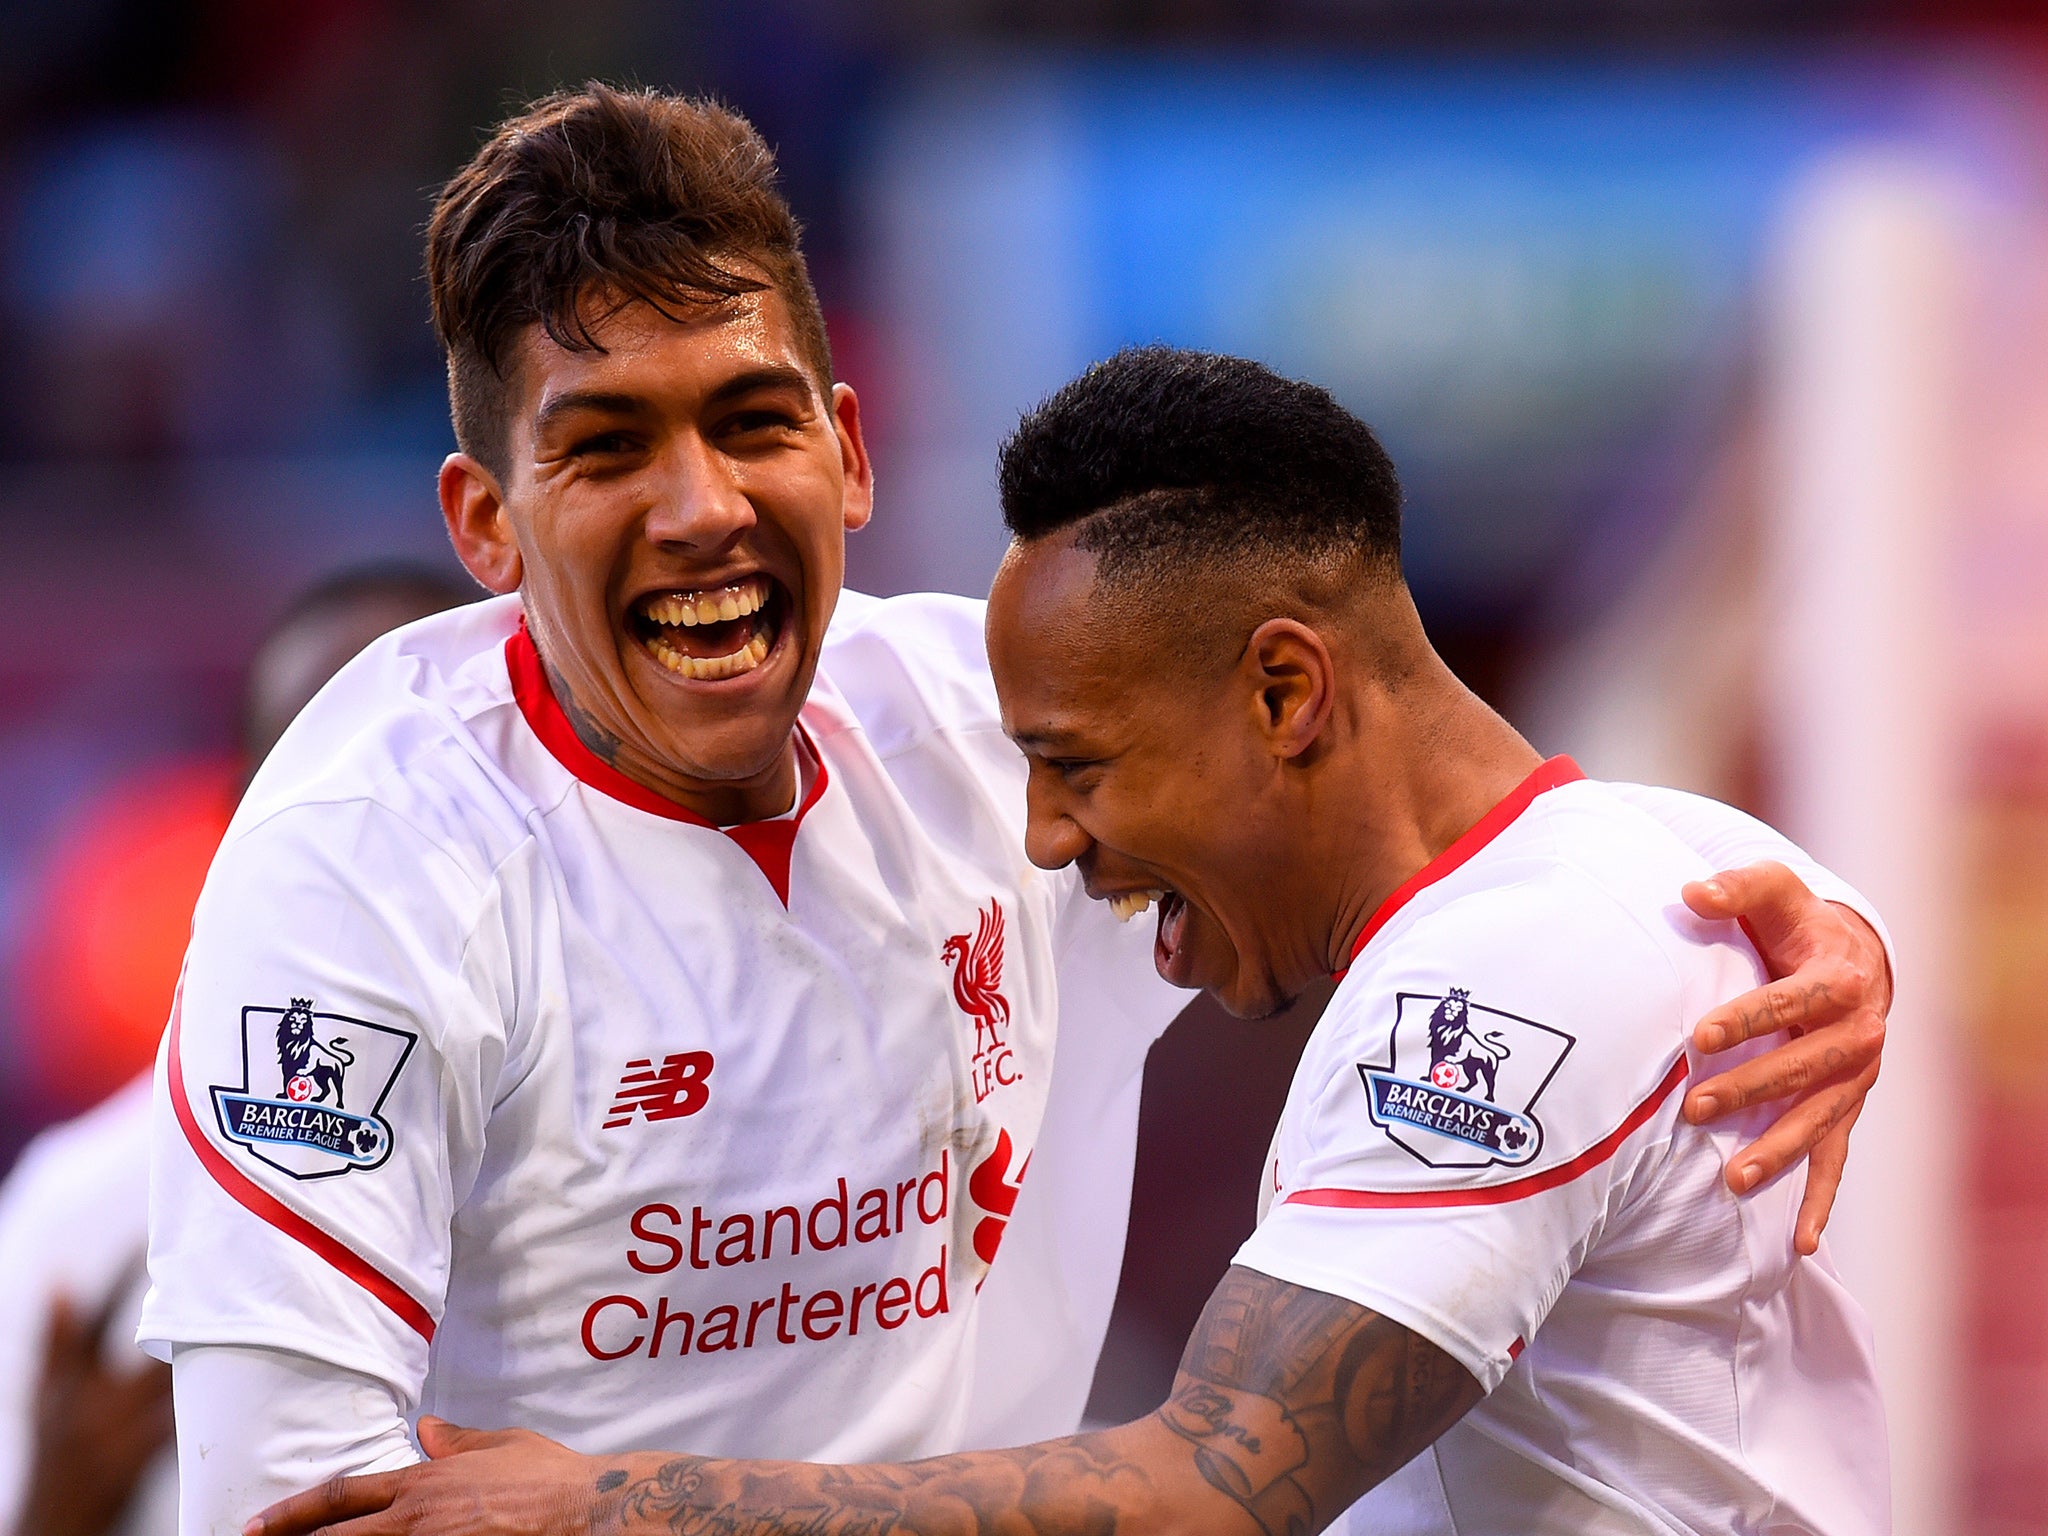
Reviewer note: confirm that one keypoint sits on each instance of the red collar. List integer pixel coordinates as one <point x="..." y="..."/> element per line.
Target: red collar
<point x="768" y="843"/>
<point x="1548" y="775"/>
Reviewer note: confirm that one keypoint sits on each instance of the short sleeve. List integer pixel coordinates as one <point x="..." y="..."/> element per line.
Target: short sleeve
<point x="1728" y="839"/>
<point x="322" y="1090"/>
<point x="1472" y="1111"/>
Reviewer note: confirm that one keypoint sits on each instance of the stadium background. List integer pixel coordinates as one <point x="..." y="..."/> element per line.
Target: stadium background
<point x="1711" y="338"/>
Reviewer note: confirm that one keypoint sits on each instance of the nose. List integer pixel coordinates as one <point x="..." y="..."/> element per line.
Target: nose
<point x="701" y="505"/>
<point x="1052" y="838"/>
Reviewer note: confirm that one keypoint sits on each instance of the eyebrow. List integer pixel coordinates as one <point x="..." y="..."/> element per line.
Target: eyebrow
<point x="610" y="404"/>
<point x="614" y="403"/>
<point x="768" y="376"/>
<point x="1051" y="737"/>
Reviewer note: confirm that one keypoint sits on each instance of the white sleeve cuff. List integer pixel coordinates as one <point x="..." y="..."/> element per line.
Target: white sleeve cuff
<point x="257" y="1424"/>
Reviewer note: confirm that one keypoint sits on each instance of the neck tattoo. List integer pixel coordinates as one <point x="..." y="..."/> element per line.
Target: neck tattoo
<point x="601" y="742"/>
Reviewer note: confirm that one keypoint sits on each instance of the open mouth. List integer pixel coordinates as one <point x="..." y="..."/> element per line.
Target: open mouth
<point x="1131" y="903"/>
<point x="709" y="634"/>
<point x="1167" y="947"/>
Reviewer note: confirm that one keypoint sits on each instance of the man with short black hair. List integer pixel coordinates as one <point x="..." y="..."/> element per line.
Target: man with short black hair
<point x="628" y="1007"/>
<point x="1499" y="1287"/>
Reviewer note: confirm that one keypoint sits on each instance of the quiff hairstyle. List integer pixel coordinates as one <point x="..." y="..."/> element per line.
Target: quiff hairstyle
<point x="1170" y="460"/>
<point x="592" y="200"/>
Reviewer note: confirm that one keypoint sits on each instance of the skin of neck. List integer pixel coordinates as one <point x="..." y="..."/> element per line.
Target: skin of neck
<point x="1407" y="760"/>
<point x="1364" y="789"/>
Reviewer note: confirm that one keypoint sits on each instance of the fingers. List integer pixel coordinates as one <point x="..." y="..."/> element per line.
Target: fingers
<point x="384" y="1522"/>
<point x="1821" y="992"/>
<point x="1867" y="953"/>
<point x="1764" y="894"/>
<point x="138" y="1414"/>
<point x="1797" y="1132"/>
<point x="67" y="1340"/>
<point x="113" y="1309"/>
<point x="1824" y="1167"/>
<point x="439" y="1438"/>
<point x="336" y="1500"/>
<point x="1827" y="1055"/>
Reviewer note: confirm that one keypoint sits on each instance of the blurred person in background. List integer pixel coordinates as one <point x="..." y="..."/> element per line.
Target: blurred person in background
<point x="85" y="1417"/>
<point x="668" y="898"/>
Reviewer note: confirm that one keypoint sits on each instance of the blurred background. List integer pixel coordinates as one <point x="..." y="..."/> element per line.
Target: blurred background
<point x="1711" y="338"/>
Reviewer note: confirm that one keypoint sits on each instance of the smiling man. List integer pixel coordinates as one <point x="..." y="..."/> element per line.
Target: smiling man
<point x="626" y="1008"/>
<point x="1499" y="1287"/>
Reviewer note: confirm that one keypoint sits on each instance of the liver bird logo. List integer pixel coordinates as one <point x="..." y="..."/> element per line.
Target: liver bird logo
<point x="978" y="977"/>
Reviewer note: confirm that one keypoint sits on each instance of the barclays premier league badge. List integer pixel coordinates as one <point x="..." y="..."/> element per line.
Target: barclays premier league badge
<point x="313" y="1089"/>
<point x="1462" y="1087"/>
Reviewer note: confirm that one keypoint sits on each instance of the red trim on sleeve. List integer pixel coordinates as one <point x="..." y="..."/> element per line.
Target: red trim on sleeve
<point x="1548" y="775"/>
<point x="1514" y="1189"/>
<point x="768" y="843"/>
<point x="1515" y="1349"/>
<point x="259" y="1201"/>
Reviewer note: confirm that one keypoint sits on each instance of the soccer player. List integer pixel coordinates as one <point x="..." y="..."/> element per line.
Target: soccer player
<point x="1499" y="1285"/>
<point x="627" y="1008"/>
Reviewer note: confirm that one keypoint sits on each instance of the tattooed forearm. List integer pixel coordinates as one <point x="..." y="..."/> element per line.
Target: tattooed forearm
<point x="1066" y="1485"/>
<point x="1297" y="1402"/>
<point x="1290" y="1404"/>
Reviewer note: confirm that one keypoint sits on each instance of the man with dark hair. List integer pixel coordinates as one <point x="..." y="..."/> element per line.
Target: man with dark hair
<point x="676" y="191"/>
<point x="628" y="1008"/>
<point x="1483" y="1137"/>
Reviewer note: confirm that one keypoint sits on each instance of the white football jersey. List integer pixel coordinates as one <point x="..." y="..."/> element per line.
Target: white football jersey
<point x="502" y="1082"/>
<point x="1483" y="1143"/>
<point x="505" y="1081"/>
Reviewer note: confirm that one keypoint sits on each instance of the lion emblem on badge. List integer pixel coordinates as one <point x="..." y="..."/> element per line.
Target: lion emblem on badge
<point x="312" y="1069"/>
<point x="1460" y="1058"/>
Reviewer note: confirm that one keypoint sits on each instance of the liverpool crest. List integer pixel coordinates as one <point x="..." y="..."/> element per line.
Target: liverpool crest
<point x="977" y="962"/>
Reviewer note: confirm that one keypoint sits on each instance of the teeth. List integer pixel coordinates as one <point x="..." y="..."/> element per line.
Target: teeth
<point x="711" y="669"/>
<point x="1131" y="903"/>
<point x="712" y="606"/>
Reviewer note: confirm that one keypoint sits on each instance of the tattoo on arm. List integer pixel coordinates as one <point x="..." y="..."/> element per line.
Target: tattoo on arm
<point x="1297" y="1402"/>
<point x="1289" y="1405"/>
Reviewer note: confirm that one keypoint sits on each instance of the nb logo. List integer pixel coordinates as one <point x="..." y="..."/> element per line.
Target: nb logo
<point x="680" y="1086"/>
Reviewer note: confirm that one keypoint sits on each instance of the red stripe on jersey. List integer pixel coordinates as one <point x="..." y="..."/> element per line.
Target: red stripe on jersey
<point x="1514" y="1189"/>
<point x="1556" y="771"/>
<point x="253" y="1197"/>
<point x="768" y="843"/>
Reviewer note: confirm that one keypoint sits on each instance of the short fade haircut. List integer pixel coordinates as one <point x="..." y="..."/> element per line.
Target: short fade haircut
<point x="592" y="200"/>
<point x="1177" y="460"/>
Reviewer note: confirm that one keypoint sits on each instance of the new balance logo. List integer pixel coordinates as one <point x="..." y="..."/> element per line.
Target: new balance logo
<point x="680" y="1086"/>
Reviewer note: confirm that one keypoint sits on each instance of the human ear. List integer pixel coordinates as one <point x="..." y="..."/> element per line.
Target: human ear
<point x="474" y="509"/>
<point x="858" y="471"/>
<point x="1293" y="683"/>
